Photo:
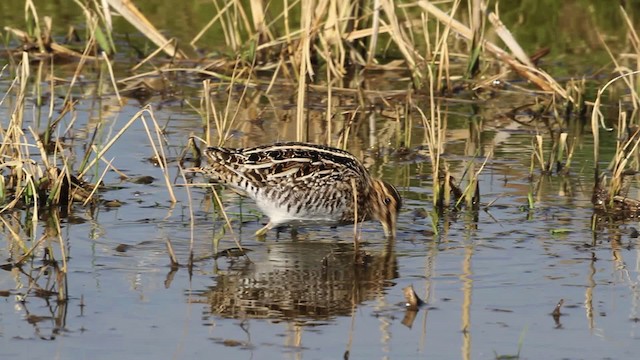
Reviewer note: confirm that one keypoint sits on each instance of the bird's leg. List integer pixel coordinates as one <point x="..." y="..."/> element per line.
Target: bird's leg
<point x="260" y="234"/>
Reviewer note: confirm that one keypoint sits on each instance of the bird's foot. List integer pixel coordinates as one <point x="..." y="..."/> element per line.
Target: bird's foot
<point x="261" y="234"/>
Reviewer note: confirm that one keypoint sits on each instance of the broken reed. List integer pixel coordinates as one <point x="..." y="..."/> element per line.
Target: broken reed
<point x="558" y="158"/>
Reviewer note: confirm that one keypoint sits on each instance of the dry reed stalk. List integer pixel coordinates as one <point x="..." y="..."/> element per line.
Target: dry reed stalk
<point x="30" y="9"/>
<point x="23" y="177"/>
<point x="329" y="111"/>
<point x="224" y="122"/>
<point x="476" y="8"/>
<point x="305" y="68"/>
<point x="538" y="77"/>
<point x="37" y="91"/>
<point x="287" y="27"/>
<point x="538" y="151"/>
<point x="508" y="39"/>
<point x="634" y="40"/>
<point x="14" y="133"/>
<point x="153" y="53"/>
<point x="24" y="172"/>
<point x="434" y="135"/>
<point x="227" y="221"/>
<point x="240" y="16"/>
<point x="98" y="181"/>
<point x="231" y="16"/>
<point x="195" y="71"/>
<point x="624" y="151"/>
<point x="63" y="252"/>
<point x="159" y="154"/>
<point x="562" y="146"/>
<point x="424" y="17"/>
<point x="406" y="48"/>
<point x="356" y="236"/>
<point x="110" y="166"/>
<point x="226" y="22"/>
<point x="30" y="251"/>
<point x="219" y="14"/>
<point x="442" y="49"/>
<point x="632" y="35"/>
<point x="209" y="108"/>
<point x="276" y="72"/>
<point x="471" y="192"/>
<point x="624" y="73"/>
<point x="106" y="14"/>
<point x="344" y="139"/>
<point x="258" y="18"/>
<point x="569" y="152"/>
<point x="620" y="159"/>
<point x="15" y="237"/>
<point x="407" y="27"/>
<point x="105" y="38"/>
<point x="110" y="143"/>
<point x="192" y="220"/>
<point x="131" y="13"/>
<point x="373" y="131"/>
<point x="358" y="34"/>
<point x="113" y="78"/>
<point x="92" y="23"/>
<point x="3" y="190"/>
<point x="55" y="179"/>
<point x="172" y="254"/>
<point x="407" y="126"/>
<point x="95" y="34"/>
<point x="373" y="41"/>
<point x="446" y="185"/>
<point x="330" y="47"/>
<point x="597" y="118"/>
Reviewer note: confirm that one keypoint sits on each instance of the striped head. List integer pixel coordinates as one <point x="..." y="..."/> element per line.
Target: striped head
<point x="385" y="202"/>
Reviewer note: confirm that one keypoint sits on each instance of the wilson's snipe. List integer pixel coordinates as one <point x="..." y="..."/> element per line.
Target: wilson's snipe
<point x="296" y="183"/>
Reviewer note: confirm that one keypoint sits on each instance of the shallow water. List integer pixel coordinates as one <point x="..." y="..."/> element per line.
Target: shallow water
<point x="490" y="283"/>
<point x="490" y="279"/>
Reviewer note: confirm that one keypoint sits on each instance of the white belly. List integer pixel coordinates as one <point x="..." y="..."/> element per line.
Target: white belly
<point x="281" y="214"/>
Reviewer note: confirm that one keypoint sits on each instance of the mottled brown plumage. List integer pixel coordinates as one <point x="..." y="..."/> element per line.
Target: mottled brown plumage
<point x="296" y="183"/>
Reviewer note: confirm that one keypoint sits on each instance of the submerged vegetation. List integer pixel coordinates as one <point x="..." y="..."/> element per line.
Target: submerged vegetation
<point x="340" y="64"/>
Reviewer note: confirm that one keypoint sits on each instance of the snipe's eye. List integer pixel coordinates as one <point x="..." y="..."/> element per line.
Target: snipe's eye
<point x="387" y="201"/>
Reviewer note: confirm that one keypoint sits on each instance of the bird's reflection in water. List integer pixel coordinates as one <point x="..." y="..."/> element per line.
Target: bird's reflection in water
<point x="307" y="280"/>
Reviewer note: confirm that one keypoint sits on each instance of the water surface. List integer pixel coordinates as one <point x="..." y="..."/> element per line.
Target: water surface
<point x="490" y="278"/>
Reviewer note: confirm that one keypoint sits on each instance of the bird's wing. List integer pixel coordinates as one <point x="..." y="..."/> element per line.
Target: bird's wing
<point x="310" y="165"/>
<point x="287" y="167"/>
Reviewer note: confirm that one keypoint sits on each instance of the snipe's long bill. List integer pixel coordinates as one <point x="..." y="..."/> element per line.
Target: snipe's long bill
<point x="298" y="183"/>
